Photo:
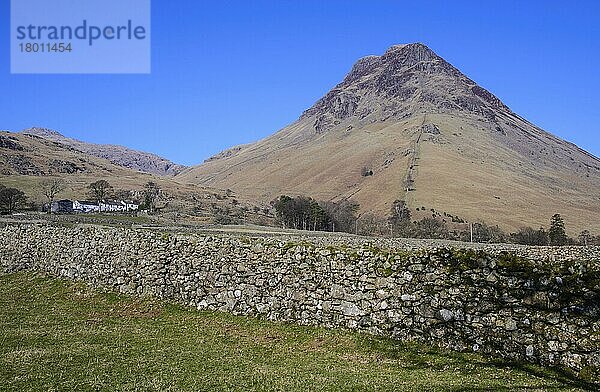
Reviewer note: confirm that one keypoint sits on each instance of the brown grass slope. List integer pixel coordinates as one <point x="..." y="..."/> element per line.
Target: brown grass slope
<point x="119" y="155"/>
<point x="420" y="124"/>
<point x="26" y="161"/>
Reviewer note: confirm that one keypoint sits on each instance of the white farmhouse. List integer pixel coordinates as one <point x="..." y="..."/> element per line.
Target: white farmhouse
<point x="130" y="206"/>
<point x="111" y="206"/>
<point x="85" y="206"/>
<point x="118" y="206"/>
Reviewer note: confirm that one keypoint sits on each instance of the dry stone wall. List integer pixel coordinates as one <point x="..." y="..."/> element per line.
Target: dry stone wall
<point x="499" y="304"/>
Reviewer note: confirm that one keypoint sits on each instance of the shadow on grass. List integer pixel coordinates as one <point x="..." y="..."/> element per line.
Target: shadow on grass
<point x="422" y="356"/>
<point x="416" y="356"/>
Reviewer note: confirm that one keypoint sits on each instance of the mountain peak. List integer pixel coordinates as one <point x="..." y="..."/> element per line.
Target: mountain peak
<point x="41" y="132"/>
<point x="417" y="49"/>
<point x="407" y="79"/>
<point x="405" y="54"/>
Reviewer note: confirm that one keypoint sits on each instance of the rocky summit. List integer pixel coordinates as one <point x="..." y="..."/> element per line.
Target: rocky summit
<point x="119" y="155"/>
<point x="406" y="80"/>
<point x="431" y="137"/>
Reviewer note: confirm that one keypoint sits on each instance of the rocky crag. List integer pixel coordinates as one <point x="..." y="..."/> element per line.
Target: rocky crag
<point x="119" y="155"/>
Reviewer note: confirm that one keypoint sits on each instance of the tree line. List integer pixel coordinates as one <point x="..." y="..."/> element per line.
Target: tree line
<point x="13" y="199"/>
<point x="431" y="227"/>
<point x="306" y="213"/>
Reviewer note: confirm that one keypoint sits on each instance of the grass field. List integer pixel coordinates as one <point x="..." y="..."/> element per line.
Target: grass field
<point x="57" y="335"/>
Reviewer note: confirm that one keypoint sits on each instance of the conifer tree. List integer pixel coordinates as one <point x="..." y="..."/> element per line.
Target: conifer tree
<point x="557" y="234"/>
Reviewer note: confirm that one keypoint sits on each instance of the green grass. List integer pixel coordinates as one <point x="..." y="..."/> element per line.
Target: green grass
<point x="58" y="335"/>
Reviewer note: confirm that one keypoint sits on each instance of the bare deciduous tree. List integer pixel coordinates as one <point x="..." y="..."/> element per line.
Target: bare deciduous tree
<point x="122" y="194"/>
<point x="11" y="199"/>
<point x="585" y="238"/>
<point x="51" y="188"/>
<point x="99" y="191"/>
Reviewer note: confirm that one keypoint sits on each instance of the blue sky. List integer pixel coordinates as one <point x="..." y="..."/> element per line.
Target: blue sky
<point x="231" y="72"/>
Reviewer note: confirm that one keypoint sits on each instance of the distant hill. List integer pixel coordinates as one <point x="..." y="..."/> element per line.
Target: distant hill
<point x="119" y="155"/>
<point x="27" y="160"/>
<point x="430" y="136"/>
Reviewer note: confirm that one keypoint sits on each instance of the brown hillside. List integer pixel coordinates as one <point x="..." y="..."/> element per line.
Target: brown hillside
<point x="26" y="161"/>
<point x="119" y="155"/>
<point x="431" y="136"/>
